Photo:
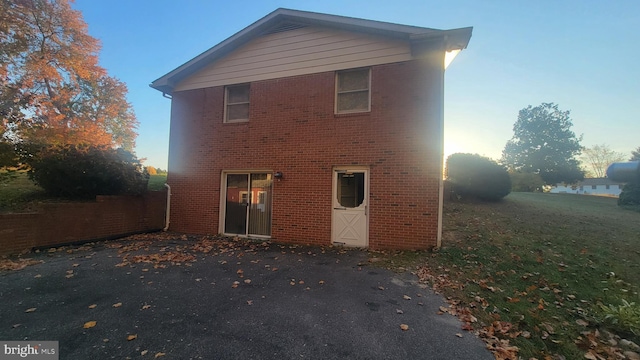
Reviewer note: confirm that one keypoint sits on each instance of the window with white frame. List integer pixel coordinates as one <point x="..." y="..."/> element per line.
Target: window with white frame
<point x="353" y="91"/>
<point x="236" y="103"/>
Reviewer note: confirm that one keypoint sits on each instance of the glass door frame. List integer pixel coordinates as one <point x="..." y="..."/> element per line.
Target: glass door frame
<point x="223" y="198"/>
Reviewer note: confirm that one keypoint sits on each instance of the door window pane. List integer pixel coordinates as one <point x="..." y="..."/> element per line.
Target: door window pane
<point x="260" y="208"/>
<point x="235" y="220"/>
<point x="350" y="189"/>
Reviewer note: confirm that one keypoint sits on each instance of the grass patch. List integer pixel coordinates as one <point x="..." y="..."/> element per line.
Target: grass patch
<point x="545" y="265"/>
<point x="19" y="194"/>
<point x="156" y="182"/>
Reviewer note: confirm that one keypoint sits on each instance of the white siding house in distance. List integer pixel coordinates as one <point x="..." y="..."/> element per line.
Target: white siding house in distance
<point x="593" y="186"/>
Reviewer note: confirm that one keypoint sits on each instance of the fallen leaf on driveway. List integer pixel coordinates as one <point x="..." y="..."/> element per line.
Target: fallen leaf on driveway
<point x="144" y="352"/>
<point x="145" y="307"/>
<point x="247" y="281"/>
<point x="117" y="305"/>
<point x="132" y="337"/>
<point x="380" y="287"/>
<point x="459" y="335"/>
<point x="93" y="306"/>
<point x="406" y="297"/>
<point x="30" y="310"/>
<point x="160" y="354"/>
<point x="89" y="324"/>
<point x="18" y="264"/>
<point x="404" y="327"/>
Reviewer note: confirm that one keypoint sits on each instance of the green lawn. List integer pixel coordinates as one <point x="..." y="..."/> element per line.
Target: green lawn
<point x="20" y="193"/>
<point x="156" y="182"/>
<point x="535" y="269"/>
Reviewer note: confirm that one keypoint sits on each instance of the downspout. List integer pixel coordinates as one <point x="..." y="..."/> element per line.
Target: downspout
<point x="166" y="216"/>
<point x="441" y="175"/>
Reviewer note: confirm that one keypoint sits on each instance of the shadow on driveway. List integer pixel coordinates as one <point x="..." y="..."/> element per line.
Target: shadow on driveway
<point x="179" y="297"/>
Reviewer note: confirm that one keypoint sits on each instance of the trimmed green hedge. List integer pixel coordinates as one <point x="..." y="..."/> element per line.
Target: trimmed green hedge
<point x="86" y="171"/>
<point x="475" y="176"/>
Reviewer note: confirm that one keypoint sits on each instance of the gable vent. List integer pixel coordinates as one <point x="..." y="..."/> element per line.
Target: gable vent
<point x="284" y="27"/>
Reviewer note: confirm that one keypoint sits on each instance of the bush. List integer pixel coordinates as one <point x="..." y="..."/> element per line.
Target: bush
<point x="630" y="194"/>
<point x="472" y="175"/>
<point x="86" y="171"/>
<point x="623" y="318"/>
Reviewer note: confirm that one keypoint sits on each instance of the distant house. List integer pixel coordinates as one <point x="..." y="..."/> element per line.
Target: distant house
<point x="593" y="186"/>
<point x="314" y="129"/>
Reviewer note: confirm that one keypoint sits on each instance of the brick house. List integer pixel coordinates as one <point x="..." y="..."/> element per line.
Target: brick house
<point x="315" y="129"/>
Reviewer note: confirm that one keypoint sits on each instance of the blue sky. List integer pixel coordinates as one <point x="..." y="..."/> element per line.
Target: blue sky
<point x="583" y="55"/>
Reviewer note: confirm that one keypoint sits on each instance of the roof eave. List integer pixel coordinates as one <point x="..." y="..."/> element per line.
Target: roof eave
<point x="421" y="38"/>
<point x="442" y="40"/>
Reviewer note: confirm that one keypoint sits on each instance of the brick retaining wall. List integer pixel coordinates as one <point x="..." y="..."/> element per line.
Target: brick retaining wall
<point x="63" y="223"/>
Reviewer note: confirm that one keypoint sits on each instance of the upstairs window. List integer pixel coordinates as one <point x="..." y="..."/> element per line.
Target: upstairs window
<point x="352" y="91"/>
<point x="236" y="101"/>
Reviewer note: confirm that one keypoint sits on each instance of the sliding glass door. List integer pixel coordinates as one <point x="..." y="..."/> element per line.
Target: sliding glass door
<point x="248" y="204"/>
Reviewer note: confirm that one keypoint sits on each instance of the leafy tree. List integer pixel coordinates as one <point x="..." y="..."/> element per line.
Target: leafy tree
<point x="472" y="175"/>
<point x="151" y="170"/>
<point x="544" y="144"/>
<point x="525" y="182"/>
<point x="598" y="158"/>
<point x="52" y="90"/>
<point x="635" y="155"/>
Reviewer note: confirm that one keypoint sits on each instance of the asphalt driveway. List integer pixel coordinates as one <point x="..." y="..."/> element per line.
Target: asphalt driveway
<point x="170" y="296"/>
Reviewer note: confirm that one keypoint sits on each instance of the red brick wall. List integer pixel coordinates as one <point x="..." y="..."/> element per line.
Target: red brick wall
<point x="62" y="223"/>
<point x="293" y="129"/>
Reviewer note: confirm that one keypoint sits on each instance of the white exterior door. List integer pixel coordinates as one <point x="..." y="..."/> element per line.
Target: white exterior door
<point x="350" y="207"/>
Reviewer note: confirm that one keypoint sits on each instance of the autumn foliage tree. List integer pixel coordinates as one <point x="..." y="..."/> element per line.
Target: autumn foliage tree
<point x="52" y="90"/>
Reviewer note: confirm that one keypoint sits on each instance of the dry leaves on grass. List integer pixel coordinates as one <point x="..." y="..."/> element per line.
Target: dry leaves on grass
<point x="496" y="335"/>
<point x="604" y="346"/>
